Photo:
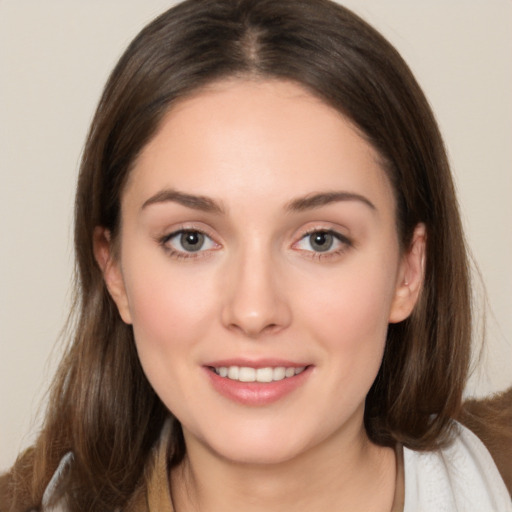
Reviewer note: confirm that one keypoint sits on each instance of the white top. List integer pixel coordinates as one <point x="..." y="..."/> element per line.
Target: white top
<point x="460" y="478"/>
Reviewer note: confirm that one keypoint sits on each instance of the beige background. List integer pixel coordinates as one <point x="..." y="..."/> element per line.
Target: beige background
<point x="54" y="59"/>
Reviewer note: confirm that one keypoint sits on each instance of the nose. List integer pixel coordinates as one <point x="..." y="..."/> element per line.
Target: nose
<point x="254" y="303"/>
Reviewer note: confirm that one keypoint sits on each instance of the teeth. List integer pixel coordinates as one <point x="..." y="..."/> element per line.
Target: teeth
<point x="248" y="374"/>
<point x="290" y="372"/>
<point x="279" y="373"/>
<point x="264" y="374"/>
<point x="233" y="372"/>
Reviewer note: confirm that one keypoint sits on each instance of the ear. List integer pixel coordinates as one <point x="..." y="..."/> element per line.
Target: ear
<point x="112" y="275"/>
<point x="410" y="277"/>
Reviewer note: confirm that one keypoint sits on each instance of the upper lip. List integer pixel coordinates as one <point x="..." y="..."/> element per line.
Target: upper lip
<point x="257" y="363"/>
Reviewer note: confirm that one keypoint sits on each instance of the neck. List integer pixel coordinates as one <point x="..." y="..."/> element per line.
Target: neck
<point x="345" y="472"/>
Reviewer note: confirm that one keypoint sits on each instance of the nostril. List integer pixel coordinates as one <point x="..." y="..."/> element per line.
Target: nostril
<point x="255" y="330"/>
<point x="255" y="310"/>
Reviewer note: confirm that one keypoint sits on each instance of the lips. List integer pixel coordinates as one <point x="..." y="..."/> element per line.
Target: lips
<point x="257" y="384"/>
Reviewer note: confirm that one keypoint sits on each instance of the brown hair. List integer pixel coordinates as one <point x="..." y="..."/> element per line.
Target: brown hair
<point x="102" y="408"/>
<point x="491" y="420"/>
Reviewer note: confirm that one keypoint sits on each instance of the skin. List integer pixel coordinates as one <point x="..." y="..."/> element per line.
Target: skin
<point x="258" y="288"/>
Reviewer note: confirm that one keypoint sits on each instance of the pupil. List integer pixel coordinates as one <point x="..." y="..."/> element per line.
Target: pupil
<point x="192" y="241"/>
<point x="321" y="241"/>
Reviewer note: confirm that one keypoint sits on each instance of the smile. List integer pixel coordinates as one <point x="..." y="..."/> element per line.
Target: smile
<point x="257" y="384"/>
<point x="248" y="374"/>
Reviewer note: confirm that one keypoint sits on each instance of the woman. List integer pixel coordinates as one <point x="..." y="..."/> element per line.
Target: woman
<point x="273" y="297"/>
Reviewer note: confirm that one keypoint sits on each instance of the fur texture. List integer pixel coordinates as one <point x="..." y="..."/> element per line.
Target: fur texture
<point x="491" y="420"/>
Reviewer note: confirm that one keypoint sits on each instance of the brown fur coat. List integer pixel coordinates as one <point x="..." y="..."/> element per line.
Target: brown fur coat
<point x="491" y="420"/>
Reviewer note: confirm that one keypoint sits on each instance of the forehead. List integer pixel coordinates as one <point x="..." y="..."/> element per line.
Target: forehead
<point x="257" y="139"/>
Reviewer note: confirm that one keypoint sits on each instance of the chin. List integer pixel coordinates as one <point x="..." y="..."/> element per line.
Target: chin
<point x="258" y="454"/>
<point x="256" y="446"/>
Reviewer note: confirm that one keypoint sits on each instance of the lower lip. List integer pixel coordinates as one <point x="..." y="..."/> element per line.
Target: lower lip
<point x="256" y="393"/>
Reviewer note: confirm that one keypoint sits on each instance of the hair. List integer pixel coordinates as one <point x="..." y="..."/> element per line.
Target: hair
<point x="102" y="408"/>
<point x="491" y="420"/>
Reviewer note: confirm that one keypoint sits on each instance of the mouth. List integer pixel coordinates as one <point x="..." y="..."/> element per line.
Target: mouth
<point x="259" y="383"/>
<point x="263" y="375"/>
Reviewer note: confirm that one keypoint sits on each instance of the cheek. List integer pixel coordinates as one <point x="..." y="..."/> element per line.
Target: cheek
<point x="170" y="308"/>
<point x="351" y="327"/>
<point x="353" y="303"/>
<point x="348" y="315"/>
<point x="172" y="312"/>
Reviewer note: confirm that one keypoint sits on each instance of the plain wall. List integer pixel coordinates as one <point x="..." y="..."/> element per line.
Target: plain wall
<point x="54" y="59"/>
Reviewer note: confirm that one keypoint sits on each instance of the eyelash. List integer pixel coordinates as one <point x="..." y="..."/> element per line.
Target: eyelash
<point x="184" y="255"/>
<point x="345" y="242"/>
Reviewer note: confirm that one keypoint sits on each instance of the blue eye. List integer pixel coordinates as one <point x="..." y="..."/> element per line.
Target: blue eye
<point x="188" y="241"/>
<point x="323" y="241"/>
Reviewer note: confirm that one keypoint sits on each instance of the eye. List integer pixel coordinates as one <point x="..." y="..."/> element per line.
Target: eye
<point x="188" y="241"/>
<point x="323" y="241"/>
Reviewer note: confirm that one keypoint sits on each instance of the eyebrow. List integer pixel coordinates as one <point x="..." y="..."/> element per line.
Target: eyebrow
<point x="195" y="202"/>
<point x="300" y="204"/>
<point x="320" y="199"/>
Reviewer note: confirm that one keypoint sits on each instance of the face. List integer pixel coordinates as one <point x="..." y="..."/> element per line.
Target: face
<point x="259" y="265"/>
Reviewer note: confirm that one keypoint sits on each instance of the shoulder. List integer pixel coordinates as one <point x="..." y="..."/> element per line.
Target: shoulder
<point x="49" y="503"/>
<point x="53" y="500"/>
<point x="490" y="418"/>
<point x="151" y="489"/>
<point x="462" y="476"/>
